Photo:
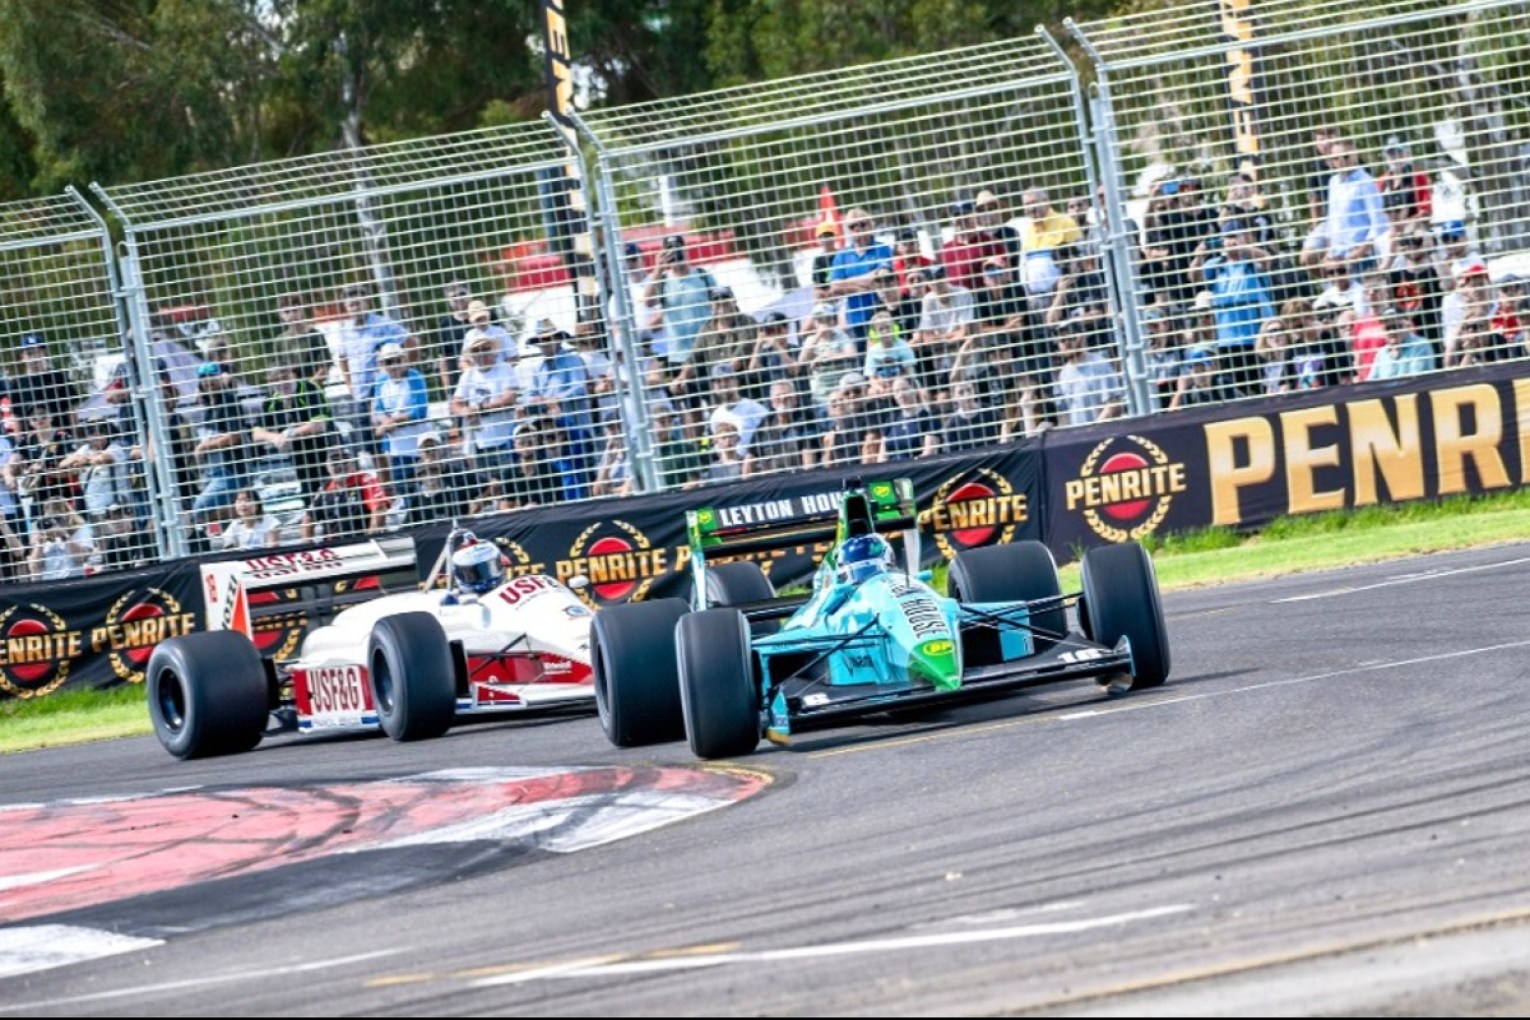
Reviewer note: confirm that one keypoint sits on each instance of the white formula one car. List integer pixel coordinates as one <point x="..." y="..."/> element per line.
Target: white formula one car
<point x="407" y="663"/>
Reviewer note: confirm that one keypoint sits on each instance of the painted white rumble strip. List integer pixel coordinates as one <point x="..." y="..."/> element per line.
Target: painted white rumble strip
<point x="601" y="968"/>
<point x="557" y="825"/>
<point x="43" y="946"/>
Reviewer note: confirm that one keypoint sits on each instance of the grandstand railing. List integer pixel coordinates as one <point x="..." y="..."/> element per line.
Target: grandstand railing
<point x="1119" y="265"/>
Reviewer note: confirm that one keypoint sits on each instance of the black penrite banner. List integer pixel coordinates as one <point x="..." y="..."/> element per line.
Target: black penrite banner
<point x="1243" y="465"/>
<point x="635" y="548"/>
<point x="96" y="631"/>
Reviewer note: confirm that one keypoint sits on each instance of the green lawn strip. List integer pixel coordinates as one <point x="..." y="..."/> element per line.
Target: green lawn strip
<point x="72" y="717"/>
<point x="1194" y="559"/>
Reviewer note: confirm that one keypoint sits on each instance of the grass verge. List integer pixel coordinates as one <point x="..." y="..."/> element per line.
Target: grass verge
<point x="1194" y="559"/>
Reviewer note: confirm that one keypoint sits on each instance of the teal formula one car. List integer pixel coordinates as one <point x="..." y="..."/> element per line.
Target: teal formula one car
<point x="739" y="662"/>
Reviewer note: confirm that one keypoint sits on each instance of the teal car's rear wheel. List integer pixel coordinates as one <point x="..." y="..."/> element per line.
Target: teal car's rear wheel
<point x="1121" y="600"/>
<point x="1019" y="572"/>
<point x="718" y="692"/>
<point x="637" y="684"/>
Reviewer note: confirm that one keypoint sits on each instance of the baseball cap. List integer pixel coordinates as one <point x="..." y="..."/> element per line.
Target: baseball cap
<point x="985" y="198"/>
<point x="723" y="370"/>
<point x="390" y="350"/>
<point x="1473" y="268"/>
<point x="674" y="242"/>
<point x="908" y="234"/>
<point x="825" y="229"/>
<point x="208" y="369"/>
<point x="477" y="310"/>
<point x="631" y="250"/>
<point x="433" y="437"/>
<point x="721" y="294"/>
<point x="963" y="207"/>
<point x="1203" y="301"/>
<point x="1395" y="144"/>
<point x="1452" y="228"/>
<point x="1234" y="227"/>
<point x="850" y="380"/>
<point x="774" y="319"/>
<point x="31" y="341"/>
<point x="1196" y="356"/>
<point x="825" y="312"/>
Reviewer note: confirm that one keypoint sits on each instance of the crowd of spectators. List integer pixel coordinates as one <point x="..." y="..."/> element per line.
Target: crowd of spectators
<point x="1001" y="324"/>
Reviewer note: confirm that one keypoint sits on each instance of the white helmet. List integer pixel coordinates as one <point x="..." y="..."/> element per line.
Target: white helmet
<point x="477" y="565"/>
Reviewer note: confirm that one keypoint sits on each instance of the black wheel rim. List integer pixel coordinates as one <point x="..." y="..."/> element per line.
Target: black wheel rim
<point x="382" y="683"/>
<point x="172" y="701"/>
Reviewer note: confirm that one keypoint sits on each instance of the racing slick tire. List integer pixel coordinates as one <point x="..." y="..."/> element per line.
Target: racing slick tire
<point x="717" y="689"/>
<point x="733" y="584"/>
<point x="729" y="584"/>
<point x="413" y="679"/>
<point x="208" y="694"/>
<point x="1121" y="600"/>
<point x="637" y="682"/>
<point x="1019" y="572"/>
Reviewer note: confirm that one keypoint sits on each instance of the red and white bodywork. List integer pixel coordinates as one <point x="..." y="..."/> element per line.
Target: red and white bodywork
<point x="523" y="645"/>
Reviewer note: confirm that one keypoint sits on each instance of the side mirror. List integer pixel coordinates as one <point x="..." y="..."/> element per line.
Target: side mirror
<point x="927" y="576"/>
<point x="579" y="582"/>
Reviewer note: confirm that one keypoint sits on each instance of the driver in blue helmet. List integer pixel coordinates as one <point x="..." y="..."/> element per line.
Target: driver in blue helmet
<point x="861" y="558"/>
<point x="477" y="566"/>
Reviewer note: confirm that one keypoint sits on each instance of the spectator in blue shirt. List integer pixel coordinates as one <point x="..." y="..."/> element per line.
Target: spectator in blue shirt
<point x="1240" y="298"/>
<point x="398" y="417"/>
<point x="560" y="391"/>
<point x="1356" y="219"/>
<point x="852" y="274"/>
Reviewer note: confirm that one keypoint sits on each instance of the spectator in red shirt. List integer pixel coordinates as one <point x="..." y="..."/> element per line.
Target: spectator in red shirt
<point x="354" y="502"/>
<point x="963" y="256"/>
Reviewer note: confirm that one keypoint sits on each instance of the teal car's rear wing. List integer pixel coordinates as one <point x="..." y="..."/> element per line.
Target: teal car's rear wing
<point x="882" y="507"/>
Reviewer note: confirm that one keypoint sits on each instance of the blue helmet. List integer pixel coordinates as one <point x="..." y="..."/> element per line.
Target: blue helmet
<point x="862" y="557"/>
<point x="477" y="566"/>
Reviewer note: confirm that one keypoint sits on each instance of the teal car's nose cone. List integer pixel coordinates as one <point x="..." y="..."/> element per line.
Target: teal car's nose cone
<point x="936" y="661"/>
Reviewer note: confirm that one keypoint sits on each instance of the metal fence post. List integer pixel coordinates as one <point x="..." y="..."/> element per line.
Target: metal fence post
<point x="614" y="284"/>
<point x="1139" y="399"/>
<point x="170" y="537"/>
<point x="140" y="373"/>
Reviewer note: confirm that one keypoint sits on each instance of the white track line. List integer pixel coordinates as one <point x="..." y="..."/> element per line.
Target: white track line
<point x="1390" y="582"/>
<point x="598" y="969"/>
<point x="215" y="979"/>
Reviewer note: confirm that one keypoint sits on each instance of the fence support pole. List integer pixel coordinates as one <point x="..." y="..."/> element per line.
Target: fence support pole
<point x="139" y="372"/>
<point x="1139" y="399"/>
<point x="614" y="281"/>
<point x="172" y="537"/>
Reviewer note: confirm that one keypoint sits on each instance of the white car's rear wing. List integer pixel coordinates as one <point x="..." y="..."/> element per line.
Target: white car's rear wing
<point x="310" y="580"/>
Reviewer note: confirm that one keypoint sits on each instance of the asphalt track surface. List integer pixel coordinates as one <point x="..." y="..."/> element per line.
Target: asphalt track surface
<point x="1325" y="811"/>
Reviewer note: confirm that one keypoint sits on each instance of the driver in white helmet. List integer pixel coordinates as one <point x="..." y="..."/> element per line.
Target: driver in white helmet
<point x="477" y="566"/>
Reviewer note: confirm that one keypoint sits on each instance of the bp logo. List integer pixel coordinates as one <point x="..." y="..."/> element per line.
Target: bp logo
<point x="1125" y="488"/>
<point x="975" y="508"/>
<point x="134" y="624"/>
<point x="619" y="560"/>
<point x="36" y="647"/>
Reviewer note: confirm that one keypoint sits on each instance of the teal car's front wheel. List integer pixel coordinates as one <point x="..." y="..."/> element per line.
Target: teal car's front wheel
<point x="1121" y="600"/>
<point x="718" y="693"/>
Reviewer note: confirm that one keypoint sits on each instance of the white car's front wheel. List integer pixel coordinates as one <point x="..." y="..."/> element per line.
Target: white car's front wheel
<point x="410" y="662"/>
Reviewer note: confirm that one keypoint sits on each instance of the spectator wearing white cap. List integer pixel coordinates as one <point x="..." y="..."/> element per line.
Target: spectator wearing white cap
<point x="827" y="353"/>
<point x="733" y="408"/>
<point x="484" y="402"/>
<point x="481" y="323"/>
<point x="399" y="409"/>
